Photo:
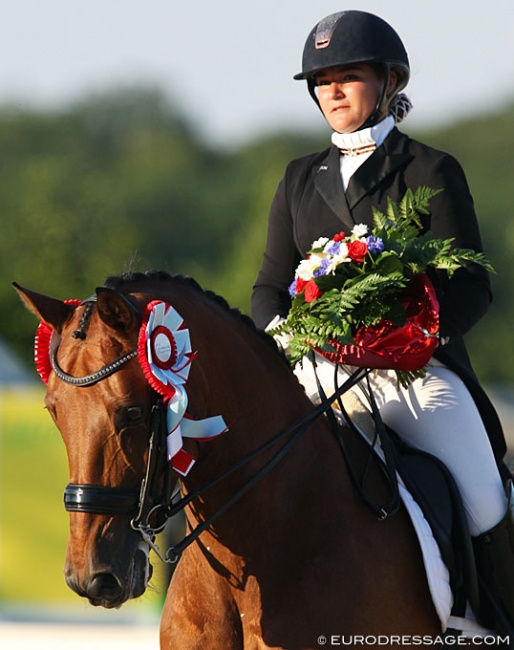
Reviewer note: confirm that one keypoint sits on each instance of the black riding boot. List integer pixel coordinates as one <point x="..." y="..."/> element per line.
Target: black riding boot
<point x="494" y="554"/>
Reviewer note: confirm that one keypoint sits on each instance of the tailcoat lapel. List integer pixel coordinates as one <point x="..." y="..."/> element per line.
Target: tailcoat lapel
<point x="328" y="182"/>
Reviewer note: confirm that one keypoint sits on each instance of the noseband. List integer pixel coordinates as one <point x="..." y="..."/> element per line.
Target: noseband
<point x="99" y="499"/>
<point x="150" y="503"/>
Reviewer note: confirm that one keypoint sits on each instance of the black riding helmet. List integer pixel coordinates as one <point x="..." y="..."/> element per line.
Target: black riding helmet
<point x="349" y="37"/>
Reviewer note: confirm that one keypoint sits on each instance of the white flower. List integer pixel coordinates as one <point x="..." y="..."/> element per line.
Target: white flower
<point x="306" y="268"/>
<point x="340" y="258"/>
<point x="360" y="230"/>
<point x="320" y="243"/>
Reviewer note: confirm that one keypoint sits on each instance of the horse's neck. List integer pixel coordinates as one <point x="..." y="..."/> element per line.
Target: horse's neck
<point x="250" y="385"/>
<point x="282" y="506"/>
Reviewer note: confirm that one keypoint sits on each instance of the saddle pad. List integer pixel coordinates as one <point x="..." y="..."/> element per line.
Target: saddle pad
<point x="437" y="573"/>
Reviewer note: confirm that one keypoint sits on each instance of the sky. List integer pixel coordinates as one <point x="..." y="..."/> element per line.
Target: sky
<point x="228" y="65"/>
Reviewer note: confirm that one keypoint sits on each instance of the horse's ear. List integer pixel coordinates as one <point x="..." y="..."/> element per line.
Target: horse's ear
<point x="116" y="310"/>
<point x="50" y="310"/>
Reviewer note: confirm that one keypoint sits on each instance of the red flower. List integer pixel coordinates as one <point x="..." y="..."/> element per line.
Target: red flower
<point x="300" y="285"/>
<point x="312" y="291"/>
<point x="357" y="250"/>
<point x="339" y="237"/>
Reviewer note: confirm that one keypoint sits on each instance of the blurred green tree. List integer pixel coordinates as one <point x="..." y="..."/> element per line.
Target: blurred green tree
<point x="122" y="179"/>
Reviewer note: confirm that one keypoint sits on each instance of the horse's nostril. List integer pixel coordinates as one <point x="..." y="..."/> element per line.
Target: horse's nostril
<point x="104" y="586"/>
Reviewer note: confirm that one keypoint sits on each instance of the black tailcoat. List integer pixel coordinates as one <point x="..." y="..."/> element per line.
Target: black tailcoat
<point x="310" y="203"/>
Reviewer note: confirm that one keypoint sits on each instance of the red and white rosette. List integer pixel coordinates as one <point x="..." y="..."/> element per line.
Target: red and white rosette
<point x="165" y="356"/>
<point x="164" y="348"/>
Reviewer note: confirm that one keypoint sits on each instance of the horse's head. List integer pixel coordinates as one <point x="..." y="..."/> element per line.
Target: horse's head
<point x="111" y="364"/>
<point x="105" y="422"/>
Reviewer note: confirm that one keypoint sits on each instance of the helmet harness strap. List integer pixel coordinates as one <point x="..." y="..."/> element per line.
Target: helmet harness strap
<point x="383" y="99"/>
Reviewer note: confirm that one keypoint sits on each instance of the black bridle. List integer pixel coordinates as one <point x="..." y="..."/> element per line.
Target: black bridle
<point x="152" y="504"/>
<point x="94" y="377"/>
<point x="84" y="497"/>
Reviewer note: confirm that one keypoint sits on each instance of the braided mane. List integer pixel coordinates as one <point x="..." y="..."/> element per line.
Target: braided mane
<point x="121" y="282"/>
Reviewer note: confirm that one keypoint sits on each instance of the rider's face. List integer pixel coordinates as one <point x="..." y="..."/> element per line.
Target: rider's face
<point x="348" y="95"/>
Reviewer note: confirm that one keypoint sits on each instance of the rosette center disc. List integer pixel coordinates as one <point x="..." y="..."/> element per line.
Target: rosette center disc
<point x="164" y="349"/>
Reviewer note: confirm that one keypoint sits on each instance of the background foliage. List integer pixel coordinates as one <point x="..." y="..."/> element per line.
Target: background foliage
<point x="122" y="179"/>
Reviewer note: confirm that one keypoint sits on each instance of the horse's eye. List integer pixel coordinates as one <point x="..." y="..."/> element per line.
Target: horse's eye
<point x="135" y="413"/>
<point x="130" y="416"/>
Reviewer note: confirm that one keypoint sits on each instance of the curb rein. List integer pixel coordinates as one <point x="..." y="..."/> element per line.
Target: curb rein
<point x="151" y="500"/>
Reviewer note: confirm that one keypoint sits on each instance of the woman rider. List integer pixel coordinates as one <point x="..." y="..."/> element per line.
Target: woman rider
<point x="355" y="66"/>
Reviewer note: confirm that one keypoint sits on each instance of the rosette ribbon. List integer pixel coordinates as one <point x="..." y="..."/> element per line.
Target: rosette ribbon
<point x="165" y="355"/>
<point x="45" y="341"/>
<point x="386" y="346"/>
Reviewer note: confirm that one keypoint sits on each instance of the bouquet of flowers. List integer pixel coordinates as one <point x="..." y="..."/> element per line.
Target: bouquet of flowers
<point x="364" y="299"/>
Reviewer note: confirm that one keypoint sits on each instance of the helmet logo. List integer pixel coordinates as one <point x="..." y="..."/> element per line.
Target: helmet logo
<point x="325" y="29"/>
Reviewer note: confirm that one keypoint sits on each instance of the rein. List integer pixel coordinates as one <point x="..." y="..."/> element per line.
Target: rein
<point x="296" y="430"/>
<point x="154" y="499"/>
<point x="98" y="499"/>
<point x="388" y="464"/>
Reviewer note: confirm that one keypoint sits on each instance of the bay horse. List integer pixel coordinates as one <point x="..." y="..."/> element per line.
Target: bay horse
<point x="297" y="557"/>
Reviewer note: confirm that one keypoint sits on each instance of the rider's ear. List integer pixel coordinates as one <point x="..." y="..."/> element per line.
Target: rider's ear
<point x="116" y="310"/>
<point x="50" y="310"/>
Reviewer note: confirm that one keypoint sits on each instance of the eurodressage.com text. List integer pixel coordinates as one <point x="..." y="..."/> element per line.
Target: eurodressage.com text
<point x="410" y="640"/>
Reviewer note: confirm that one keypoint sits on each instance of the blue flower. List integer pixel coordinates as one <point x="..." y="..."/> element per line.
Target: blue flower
<point x="292" y="288"/>
<point x="334" y="248"/>
<point x="322" y="268"/>
<point x="375" y="244"/>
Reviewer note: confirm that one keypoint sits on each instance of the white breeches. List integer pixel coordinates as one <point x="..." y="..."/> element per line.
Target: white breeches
<point x="438" y="415"/>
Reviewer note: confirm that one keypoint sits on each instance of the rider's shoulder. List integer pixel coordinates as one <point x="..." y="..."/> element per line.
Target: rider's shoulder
<point x="422" y="151"/>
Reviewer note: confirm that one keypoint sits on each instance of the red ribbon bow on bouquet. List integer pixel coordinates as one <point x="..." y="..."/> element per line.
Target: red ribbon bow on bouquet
<point x="387" y="346"/>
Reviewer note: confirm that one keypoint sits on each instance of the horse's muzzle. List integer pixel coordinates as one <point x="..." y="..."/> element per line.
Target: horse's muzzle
<point x="108" y="587"/>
